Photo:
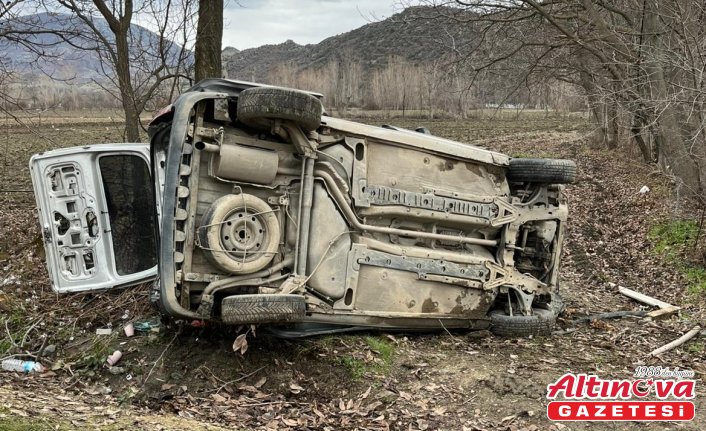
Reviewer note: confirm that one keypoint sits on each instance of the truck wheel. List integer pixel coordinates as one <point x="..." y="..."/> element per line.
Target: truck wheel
<point x="257" y="106"/>
<point x="262" y="308"/>
<point x="541" y="322"/>
<point x="551" y="171"/>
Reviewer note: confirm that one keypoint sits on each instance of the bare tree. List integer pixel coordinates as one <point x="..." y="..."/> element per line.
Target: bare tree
<point x="7" y="10"/>
<point x="135" y="64"/>
<point x="8" y="13"/>
<point x="135" y="84"/>
<point x="639" y="63"/>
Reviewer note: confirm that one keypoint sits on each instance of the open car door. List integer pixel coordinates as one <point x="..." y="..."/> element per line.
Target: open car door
<point x="97" y="213"/>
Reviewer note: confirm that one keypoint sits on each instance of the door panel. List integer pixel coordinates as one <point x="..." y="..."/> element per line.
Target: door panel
<point x="97" y="213"/>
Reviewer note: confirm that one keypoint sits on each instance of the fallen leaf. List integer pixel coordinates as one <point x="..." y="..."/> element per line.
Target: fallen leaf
<point x="370" y="407"/>
<point x="218" y="398"/>
<point x="290" y="422"/>
<point x="295" y="388"/>
<point x="440" y="411"/>
<point x="366" y="393"/>
<point x="240" y="344"/>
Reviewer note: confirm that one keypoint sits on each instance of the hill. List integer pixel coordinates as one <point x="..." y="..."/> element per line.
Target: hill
<point x="418" y="35"/>
<point x="419" y="59"/>
<point x="422" y="59"/>
<point x="59" y="60"/>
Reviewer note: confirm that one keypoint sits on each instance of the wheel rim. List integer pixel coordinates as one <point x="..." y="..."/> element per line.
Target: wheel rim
<point x="243" y="235"/>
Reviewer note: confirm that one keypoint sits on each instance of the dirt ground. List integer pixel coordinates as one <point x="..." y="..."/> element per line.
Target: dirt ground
<point x="189" y="378"/>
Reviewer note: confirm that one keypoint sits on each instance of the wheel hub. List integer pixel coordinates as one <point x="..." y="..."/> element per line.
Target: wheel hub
<point x="243" y="235"/>
<point x="239" y="233"/>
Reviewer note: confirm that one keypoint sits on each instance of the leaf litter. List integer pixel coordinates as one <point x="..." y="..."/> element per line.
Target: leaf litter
<point x="441" y="381"/>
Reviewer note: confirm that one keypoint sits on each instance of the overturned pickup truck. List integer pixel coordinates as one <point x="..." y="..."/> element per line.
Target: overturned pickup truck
<point x="251" y="205"/>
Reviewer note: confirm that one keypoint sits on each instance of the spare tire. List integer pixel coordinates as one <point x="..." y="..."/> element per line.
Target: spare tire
<point x="551" y="171"/>
<point x="541" y="322"/>
<point x="258" y="106"/>
<point x="239" y="234"/>
<point x="262" y="308"/>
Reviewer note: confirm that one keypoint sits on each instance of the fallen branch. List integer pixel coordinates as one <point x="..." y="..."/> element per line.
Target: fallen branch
<point x="239" y="379"/>
<point x="270" y="403"/>
<point x="662" y="312"/>
<point x="40" y="352"/>
<point x="608" y="315"/>
<point x="19" y="355"/>
<point x="641" y="297"/>
<point x="676" y="343"/>
<point x="447" y="331"/>
<point x="144" y="382"/>
<point x="24" y="337"/>
<point x="565" y="332"/>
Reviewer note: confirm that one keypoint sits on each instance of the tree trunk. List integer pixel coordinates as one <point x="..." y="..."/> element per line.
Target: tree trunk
<point x="209" y="34"/>
<point x="594" y="104"/>
<point x="636" y="131"/>
<point x="612" y="109"/>
<point x="674" y="154"/>
<point x="127" y="93"/>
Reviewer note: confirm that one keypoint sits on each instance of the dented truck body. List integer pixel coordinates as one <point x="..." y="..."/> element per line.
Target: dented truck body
<point x="272" y="212"/>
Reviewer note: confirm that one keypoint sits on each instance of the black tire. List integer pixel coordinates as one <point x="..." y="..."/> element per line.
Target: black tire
<point x="256" y="106"/>
<point x="551" y="171"/>
<point x="262" y="308"/>
<point x="541" y="322"/>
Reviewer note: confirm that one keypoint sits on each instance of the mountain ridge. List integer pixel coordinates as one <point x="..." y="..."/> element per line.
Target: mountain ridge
<point x="418" y="35"/>
<point x="74" y="64"/>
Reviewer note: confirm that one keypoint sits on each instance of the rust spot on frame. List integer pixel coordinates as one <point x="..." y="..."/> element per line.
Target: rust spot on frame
<point x="446" y="165"/>
<point x="430" y="306"/>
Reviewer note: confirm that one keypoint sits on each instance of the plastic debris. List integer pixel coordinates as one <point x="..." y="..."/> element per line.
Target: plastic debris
<point x="114" y="358"/>
<point x="129" y="330"/>
<point x="153" y="325"/>
<point x="644" y="190"/>
<point x="10" y="280"/>
<point x="198" y="323"/>
<point x="104" y="331"/>
<point x="22" y="366"/>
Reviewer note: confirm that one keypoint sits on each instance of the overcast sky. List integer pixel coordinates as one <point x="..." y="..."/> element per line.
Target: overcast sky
<point x="251" y="23"/>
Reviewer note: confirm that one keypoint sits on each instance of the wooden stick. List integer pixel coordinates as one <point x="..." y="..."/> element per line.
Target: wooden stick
<point x="609" y="315"/>
<point x="144" y="382"/>
<point x="676" y="343"/>
<point x="641" y="297"/>
<point x="220" y="388"/>
<point x="662" y="312"/>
